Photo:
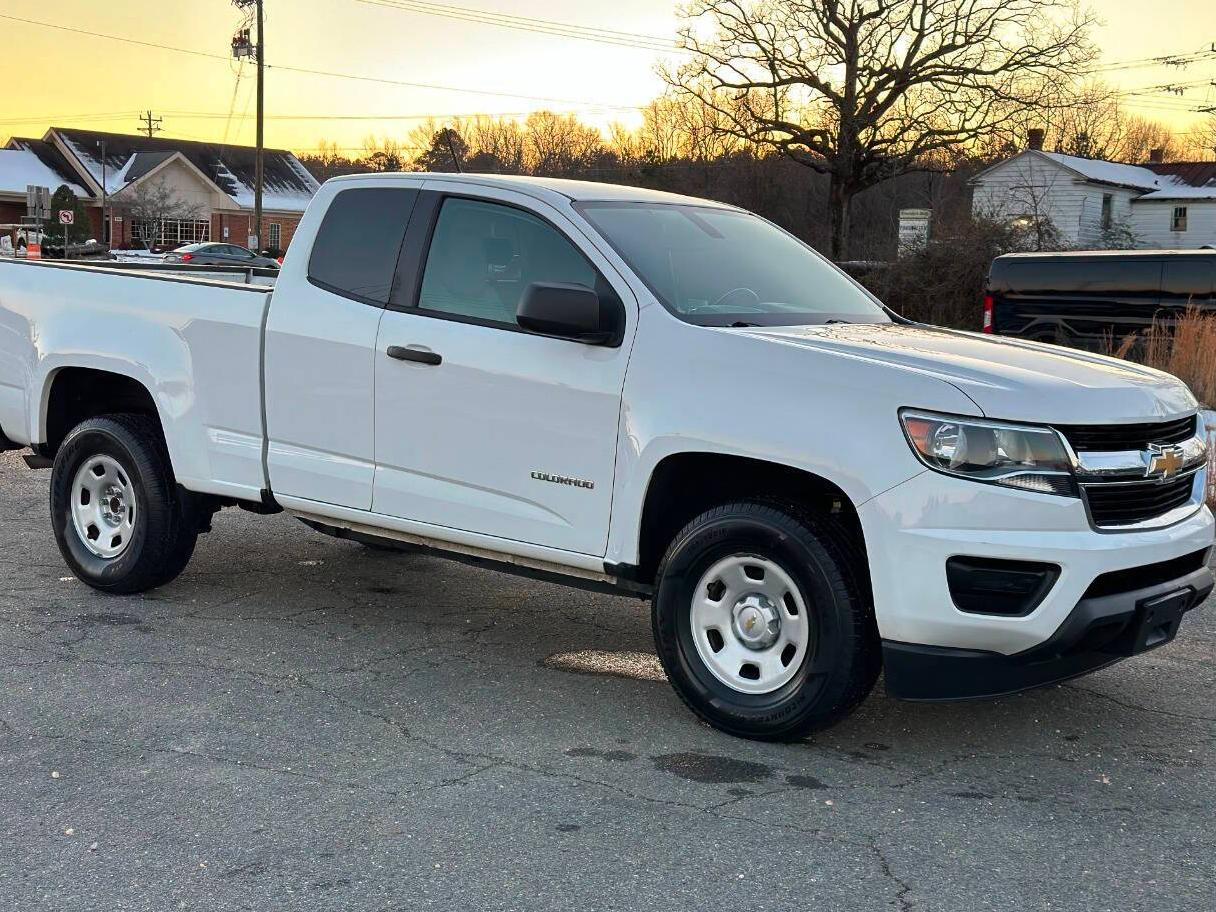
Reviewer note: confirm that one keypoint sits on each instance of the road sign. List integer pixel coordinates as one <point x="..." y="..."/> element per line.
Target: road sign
<point x="913" y="229"/>
<point x="67" y="217"/>
<point x="38" y="202"/>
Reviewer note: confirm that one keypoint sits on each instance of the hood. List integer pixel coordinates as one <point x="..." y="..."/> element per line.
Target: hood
<point x="1010" y="379"/>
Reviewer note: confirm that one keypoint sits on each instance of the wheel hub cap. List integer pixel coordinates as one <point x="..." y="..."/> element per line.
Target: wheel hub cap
<point x="103" y="506"/>
<point x="750" y="624"/>
<point x="756" y="621"/>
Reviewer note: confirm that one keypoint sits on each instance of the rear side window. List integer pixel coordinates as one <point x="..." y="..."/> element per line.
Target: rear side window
<point x="1190" y="277"/>
<point x="355" y="251"/>
<point x="1133" y="277"/>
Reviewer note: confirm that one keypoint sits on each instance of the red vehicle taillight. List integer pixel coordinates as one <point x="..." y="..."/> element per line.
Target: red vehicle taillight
<point x="187" y="257"/>
<point x="988" y="305"/>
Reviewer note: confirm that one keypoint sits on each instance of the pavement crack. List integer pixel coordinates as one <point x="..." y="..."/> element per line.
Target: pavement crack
<point x="1137" y="706"/>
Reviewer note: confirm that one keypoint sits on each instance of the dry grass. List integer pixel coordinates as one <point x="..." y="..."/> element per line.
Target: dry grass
<point x="1186" y="348"/>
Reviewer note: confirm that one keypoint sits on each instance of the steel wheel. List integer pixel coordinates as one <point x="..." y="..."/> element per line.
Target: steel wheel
<point x="103" y="506"/>
<point x="750" y="624"/>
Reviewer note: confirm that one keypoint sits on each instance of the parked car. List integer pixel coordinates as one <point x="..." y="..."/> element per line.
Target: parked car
<point x="635" y="392"/>
<point x="1091" y="299"/>
<point x="212" y="253"/>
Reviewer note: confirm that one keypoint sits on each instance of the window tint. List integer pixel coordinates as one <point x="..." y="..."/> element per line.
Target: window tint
<point x="1189" y="277"/>
<point x="483" y="256"/>
<point x="356" y="248"/>
<point x="1105" y="275"/>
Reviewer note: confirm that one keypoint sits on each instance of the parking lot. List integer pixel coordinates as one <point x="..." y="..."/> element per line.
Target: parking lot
<point x="303" y="723"/>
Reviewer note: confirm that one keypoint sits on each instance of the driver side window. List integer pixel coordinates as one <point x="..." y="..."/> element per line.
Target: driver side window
<point x="483" y="255"/>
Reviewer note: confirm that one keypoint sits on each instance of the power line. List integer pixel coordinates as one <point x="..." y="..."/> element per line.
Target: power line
<point x="531" y="24"/>
<point x="327" y="73"/>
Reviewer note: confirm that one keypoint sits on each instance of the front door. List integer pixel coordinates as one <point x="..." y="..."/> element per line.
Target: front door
<point x="491" y="429"/>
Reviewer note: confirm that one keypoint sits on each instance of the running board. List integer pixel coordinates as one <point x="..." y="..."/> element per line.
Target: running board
<point x="481" y="557"/>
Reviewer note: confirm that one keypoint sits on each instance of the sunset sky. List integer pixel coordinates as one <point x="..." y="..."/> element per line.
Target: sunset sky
<point x="74" y="79"/>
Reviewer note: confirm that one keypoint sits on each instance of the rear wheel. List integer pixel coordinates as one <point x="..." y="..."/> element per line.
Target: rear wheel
<point x="762" y="622"/>
<point x="120" y="520"/>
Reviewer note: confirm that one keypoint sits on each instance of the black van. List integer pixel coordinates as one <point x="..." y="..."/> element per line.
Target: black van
<point x="1090" y="298"/>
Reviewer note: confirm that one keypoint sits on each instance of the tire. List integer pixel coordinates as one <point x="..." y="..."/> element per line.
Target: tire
<point x="807" y="569"/>
<point x="123" y="455"/>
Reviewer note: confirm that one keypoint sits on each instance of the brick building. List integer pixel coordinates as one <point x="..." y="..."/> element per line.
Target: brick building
<point x="214" y="182"/>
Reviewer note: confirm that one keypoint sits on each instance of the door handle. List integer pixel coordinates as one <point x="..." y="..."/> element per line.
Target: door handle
<point x="401" y="353"/>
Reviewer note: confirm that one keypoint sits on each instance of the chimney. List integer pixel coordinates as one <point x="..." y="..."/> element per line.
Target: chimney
<point x="1156" y="156"/>
<point x="1035" y="137"/>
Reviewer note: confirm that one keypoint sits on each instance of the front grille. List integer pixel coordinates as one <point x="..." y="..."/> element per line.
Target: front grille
<point x="1118" y="438"/>
<point x="1124" y="504"/>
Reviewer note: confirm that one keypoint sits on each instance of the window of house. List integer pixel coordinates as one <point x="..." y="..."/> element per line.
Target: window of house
<point x="483" y="256"/>
<point x="171" y="231"/>
<point x="1108" y="202"/>
<point x="356" y="248"/>
<point x="1178" y="220"/>
<point x="276" y="235"/>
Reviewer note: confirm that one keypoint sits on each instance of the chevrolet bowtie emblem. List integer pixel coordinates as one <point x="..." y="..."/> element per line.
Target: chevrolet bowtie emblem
<point x="1163" y="461"/>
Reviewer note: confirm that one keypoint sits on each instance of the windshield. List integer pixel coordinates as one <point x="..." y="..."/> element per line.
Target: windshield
<point x="722" y="267"/>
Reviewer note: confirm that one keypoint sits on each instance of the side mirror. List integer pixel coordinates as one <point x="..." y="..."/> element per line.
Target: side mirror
<point x="573" y="312"/>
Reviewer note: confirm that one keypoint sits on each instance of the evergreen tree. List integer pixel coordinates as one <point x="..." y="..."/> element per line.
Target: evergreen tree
<point x="64" y="199"/>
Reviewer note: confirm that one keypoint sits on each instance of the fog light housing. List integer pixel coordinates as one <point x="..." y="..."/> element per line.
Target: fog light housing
<point x="1009" y="588"/>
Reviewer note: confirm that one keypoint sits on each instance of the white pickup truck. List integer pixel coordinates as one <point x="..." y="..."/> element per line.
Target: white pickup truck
<point x="629" y="390"/>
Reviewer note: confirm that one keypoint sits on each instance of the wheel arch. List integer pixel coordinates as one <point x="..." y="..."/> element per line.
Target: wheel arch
<point x="72" y="393"/>
<point x="683" y="485"/>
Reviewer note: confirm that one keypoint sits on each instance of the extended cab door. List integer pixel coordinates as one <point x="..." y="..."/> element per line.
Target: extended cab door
<point x="321" y="347"/>
<point x="492" y="429"/>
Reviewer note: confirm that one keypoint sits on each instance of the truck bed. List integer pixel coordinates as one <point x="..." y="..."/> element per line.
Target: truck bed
<point x="193" y="343"/>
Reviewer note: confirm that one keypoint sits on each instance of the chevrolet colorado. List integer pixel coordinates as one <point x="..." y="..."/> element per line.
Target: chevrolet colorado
<point x="634" y="391"/>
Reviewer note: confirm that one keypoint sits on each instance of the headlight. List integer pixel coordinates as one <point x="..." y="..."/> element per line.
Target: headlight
<point x="1028" y="458"/>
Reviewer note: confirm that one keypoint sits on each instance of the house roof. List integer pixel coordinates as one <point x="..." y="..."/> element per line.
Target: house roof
<point x="1184" y="180"/>
<point x="287" y="185"/>
<point x="1157" y="180"/>
<point x="1105" y="172"/>
<point x="32" y="161"/>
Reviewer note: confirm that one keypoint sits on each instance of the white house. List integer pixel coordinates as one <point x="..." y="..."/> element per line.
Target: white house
<point x="1095" y="203"/>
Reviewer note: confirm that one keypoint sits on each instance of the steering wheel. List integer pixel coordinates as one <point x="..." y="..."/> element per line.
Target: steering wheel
<point x="721" y="299"/>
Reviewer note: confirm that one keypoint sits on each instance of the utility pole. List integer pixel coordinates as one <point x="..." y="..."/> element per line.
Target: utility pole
<point x="149" y="124"/>
<point x="105" y="222"/>
<point x="257" y="191"/>
<point x="242" y="46"/>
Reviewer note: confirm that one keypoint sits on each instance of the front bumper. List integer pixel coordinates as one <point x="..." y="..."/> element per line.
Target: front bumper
<point x="914" y="528"/>
<point x="1098" y="632"/>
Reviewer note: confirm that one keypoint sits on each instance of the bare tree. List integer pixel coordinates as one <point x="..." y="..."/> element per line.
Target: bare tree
<point x="328" y="160"/>
<point x="1201" y="140"/>
<point x="383" y="155"/>
<point x="559" y="144"/>
<point x="152" y="204"/>
<point x="864" y="90"/>
<point x="1090" y="122"/>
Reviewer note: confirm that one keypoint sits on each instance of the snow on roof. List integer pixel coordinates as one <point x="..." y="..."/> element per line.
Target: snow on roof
<point x="287" y="184"/>
<point x="19" y="168"/>
<point x="276" y="195"/>
<point x="1174" y="188"/>
<point x="1106" y="172"/>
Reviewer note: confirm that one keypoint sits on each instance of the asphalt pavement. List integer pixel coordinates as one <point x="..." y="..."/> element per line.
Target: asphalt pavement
<point x="304" y="723"/>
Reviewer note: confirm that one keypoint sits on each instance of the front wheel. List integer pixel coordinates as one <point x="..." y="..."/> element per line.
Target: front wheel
<point x="120" y="520"/>
<point x="762" y="622"/>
